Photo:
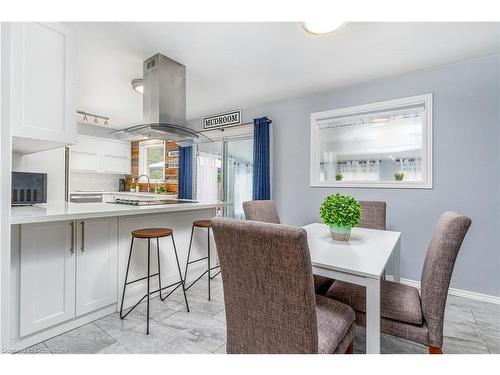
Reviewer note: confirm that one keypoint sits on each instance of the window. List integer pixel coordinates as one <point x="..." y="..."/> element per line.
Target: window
<point x="152" y="160"/>
<point x="386" y="144"/>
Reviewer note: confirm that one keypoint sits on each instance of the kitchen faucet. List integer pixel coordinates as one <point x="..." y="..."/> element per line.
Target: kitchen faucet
<point x="143" y="175"/>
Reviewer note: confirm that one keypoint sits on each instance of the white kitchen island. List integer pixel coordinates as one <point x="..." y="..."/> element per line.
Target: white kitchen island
<point x="68" y="261"/>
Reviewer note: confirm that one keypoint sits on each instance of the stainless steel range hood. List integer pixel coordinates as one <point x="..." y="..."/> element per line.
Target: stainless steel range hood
<point x="164" y="103"/>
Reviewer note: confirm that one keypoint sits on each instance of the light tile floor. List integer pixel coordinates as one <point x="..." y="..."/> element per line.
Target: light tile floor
<point x="470" y="327"/>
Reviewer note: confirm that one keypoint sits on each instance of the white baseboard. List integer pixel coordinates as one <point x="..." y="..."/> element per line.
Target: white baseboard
<point x="455" y="292"/>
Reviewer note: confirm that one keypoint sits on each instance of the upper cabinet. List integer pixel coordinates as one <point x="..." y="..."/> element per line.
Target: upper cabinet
<point x="115" y="157"/>
<point x="42" y="83"/>
<point x="98" y="155"/>
<point x="84" y="155"/>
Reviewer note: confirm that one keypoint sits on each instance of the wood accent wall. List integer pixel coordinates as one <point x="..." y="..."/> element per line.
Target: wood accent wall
<point x="135" y="159"/>
<point x="171" y="174"/>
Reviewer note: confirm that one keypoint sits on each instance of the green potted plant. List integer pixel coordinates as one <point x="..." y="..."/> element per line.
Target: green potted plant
<point x="161" y="189"/>
<point x="398" y="176"/>
<point x="338" y="177"/>
<point x="341" y="213"/>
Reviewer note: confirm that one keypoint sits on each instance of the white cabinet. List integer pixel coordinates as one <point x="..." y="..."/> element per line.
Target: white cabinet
<point x="84" y="155"/>
<point x="115" y="157"/>
<point x="99" y="155"/>
<point x="67" y="269"/>
<point x="47" y="277"/>
<point x="42" y="85"/>
<point x="96" y="264"/>
<point x="84" y="162"/>
<point x="86" y="145"/>
<point x="115" y="165"/>
<point x="120" y="149"/>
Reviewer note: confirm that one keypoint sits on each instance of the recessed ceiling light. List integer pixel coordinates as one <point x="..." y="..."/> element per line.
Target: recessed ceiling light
<point x="137" y="85"/>
<point x="321" y="27"/>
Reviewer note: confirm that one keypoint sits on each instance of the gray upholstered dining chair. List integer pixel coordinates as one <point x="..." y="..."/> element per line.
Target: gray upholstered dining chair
<point x="373" y="217"/>
<point x="404" y="312"/>
<point x="265" y="211"/>
<point x="374" y="213"/>
<point x="269" y="296"/>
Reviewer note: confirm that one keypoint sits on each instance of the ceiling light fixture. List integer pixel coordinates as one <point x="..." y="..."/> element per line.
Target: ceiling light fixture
<point x="85" y="116"/>
<point x="137" y="85"/>
<point x="321" y="26"/>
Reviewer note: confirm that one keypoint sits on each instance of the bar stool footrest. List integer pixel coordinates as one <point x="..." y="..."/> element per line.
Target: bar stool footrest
<point x="194" y="282"/>
<point x="142" y="278"/>
<point x="212" y="277"/>
<point x="132" y="308"/>
<point x="197" y="260"/>
<point x="178" y="283"/>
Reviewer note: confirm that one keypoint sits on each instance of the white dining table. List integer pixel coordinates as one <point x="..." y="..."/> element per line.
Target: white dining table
<point x="361" y="260"/>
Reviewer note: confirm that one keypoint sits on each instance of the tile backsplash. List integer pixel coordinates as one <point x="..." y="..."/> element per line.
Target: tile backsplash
<point x="94" y="181"/>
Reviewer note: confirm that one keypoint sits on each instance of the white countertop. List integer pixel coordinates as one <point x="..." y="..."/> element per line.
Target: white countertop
<point x="70" y="211"/>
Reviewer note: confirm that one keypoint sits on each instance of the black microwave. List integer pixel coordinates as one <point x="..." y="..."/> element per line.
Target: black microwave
<point x="28" y="188"/>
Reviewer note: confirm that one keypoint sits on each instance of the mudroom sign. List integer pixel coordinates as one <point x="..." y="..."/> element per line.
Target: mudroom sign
<point x="222" y="120"/>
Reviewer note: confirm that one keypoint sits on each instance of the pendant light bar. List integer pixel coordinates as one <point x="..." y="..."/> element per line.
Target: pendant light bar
<point x="86" y="116"/>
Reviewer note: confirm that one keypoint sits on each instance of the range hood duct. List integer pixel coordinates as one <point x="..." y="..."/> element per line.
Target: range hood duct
<point x="164" y="99"/>
<point x="164" y="103"/>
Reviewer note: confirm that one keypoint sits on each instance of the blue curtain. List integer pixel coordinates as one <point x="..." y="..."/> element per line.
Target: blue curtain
<point x="261" y="159"/>
<point x="185" y="172"/>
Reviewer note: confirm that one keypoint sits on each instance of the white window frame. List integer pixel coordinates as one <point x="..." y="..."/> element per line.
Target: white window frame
<point x="142" y="160"/>
<point x="427" y="146"/>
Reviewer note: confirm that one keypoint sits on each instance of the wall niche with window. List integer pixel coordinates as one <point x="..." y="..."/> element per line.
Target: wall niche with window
<point x="158" y="160"/>
<point x="383" y="145"/>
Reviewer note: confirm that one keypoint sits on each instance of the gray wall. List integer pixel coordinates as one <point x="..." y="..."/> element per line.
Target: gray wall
<point x="466" y="164"/>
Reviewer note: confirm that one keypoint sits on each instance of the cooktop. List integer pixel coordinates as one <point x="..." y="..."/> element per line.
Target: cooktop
<point x="137" y="202"/>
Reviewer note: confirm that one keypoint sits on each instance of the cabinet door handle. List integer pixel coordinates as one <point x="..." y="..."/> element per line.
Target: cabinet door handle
<point x="72" y="246"/>
<point x="83" y="237"/>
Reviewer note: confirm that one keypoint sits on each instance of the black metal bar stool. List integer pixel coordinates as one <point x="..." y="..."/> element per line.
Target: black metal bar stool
<point x="152" y="233"/>
<point x="201" y="224"/>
